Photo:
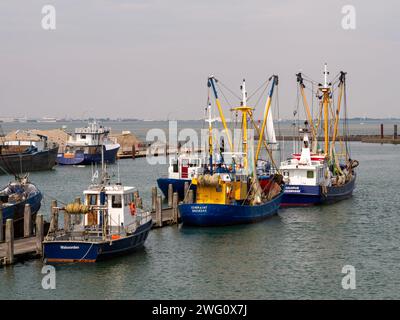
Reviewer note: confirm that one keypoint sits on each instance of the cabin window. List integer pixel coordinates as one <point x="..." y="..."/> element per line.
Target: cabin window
<point x="175" y="167"/>
<point x="92" y="199"/>
<point x="310" y="174"/>
<point x="117" y="201"/>
<point x="83" y="136"/>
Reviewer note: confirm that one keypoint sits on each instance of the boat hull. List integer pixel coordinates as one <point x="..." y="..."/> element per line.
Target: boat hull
<point x="80" y="158"/>
<point x="16" y="212"/>
<point x="178" y="185"/>
<point x="28" y="162"/>
<point x="302" y="196"/>
<point x="86" y="251"/>
<point x="220" y="215"/>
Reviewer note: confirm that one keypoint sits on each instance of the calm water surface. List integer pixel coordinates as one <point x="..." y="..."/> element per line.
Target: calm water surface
<point x="298" y="254"/>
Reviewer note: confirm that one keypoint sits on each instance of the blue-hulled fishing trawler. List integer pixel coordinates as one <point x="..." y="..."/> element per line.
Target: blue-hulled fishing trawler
<point x="88" y="145"/>
<point x="319" y="175"/>
<point x="109" y="223"/>
<point x="233" y="195"/>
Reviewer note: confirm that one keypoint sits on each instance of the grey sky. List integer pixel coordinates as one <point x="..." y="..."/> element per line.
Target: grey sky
<point x="151" y="58"/>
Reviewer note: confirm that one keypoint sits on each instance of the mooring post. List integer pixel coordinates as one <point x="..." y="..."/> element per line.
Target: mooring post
<point x="1" y="226"/>
<point x="133" y="151"/>
<point x="9" y="241"/>
<point x="39" y="234"/>
<point x="185" y="192"/>
<point x="191" y="196"/>
<point x="395" y="132"/>
<point x="159" y="211"/>
<point x="153" y="198"/>
<point x="54" y="218"/>
<point x="175" y="207"/>
<point x="170" y="195"/>
<point x="67" y="221"/>
<point x="27" y="221"/>
<point x="381" y="130"/>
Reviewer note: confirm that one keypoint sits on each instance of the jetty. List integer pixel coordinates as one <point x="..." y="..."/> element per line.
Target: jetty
<point x="29" y="246"/>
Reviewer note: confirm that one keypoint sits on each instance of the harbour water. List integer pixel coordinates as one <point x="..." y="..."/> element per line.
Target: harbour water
<point x="298" y="254"/>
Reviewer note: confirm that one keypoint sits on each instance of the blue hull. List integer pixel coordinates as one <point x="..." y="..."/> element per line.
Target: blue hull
<point x="85" y="159"/>
<point x="178" y="185"/>
<point x="16" y="211"/>
<point x="301" y="196"/>
<point x="220" y="215"/>
<point x="86" y="251"/>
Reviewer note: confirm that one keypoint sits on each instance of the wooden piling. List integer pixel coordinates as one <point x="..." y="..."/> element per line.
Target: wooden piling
<point x="1" y="226"/>
<point x="175" y="207"/>
<point x="159" y="211"/>
<point x="153" y="198"/>
<point x="382" y="131"/>
<point x="27" y="221"/>
<point x="9" y="241"/>
<point x="67" y="221"/>
<point x="395" y="132"/>
<point x="39" y="234"/>
<point x="170" y="195"/>
<point x="54" y="216"/>
<point x="185" y="192"/>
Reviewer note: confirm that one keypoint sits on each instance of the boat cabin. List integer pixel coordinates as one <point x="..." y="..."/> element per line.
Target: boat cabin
<point x="120" y="205"/>
<point x="92" y="135"/>
<point x="305" y="169"/>
<point x="185" y="167"/>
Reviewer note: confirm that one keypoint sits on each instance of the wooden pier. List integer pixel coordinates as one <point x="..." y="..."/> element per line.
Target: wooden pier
<point x="30" y="246"/>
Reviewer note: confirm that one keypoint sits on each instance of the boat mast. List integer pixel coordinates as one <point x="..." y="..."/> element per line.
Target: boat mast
<point x="211" y="83"/>
<point x="244" y="123"/>
<point x="210" y="146"/>
<point x="326" y="90"/>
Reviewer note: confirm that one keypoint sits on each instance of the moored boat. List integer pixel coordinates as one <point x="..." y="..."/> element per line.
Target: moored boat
<point x="233" y="196"/>
<point x="13" y="199"/>
<point x="89" y="145"/>
<point x="23" y="151"/>
<point x="109" y="223"/>
<point x="321" y="175"/>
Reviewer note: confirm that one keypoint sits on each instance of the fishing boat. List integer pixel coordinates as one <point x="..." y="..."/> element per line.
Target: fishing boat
<point x="321" y="174"/>
<point x="182" y="168"/>
<point x="88" y="145"/>
<point x="109" y="223"/>
<point x="22" y="152"/>
<point x="234" y="195"/>
<point x="13" y="199"/>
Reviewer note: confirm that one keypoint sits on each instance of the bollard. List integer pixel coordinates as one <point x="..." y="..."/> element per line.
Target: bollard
<point x="9" y="241"/>
<point x="39" y="234"/>
<point x="185" y="192"/>
<point x="1" y="226"/>
<point x="175" y="207"/>
<point x="159" y="212"/>
<point x="170" y="195"/>
<point x="27" y="221"/>
<point x="153" y="198"/>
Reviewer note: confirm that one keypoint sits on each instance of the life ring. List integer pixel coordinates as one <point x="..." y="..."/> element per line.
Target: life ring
<point x="132" y="208"/>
